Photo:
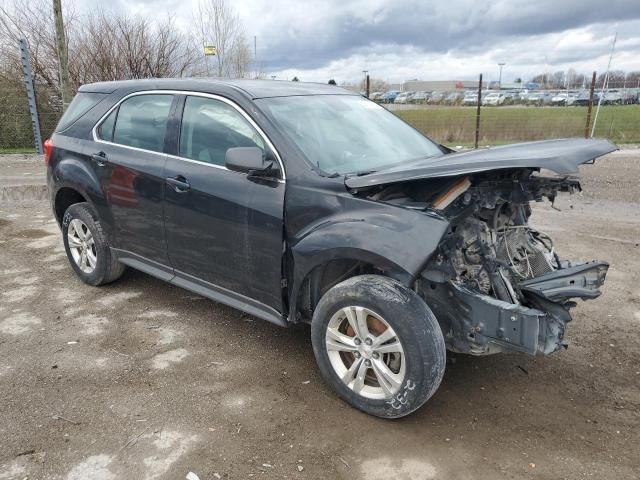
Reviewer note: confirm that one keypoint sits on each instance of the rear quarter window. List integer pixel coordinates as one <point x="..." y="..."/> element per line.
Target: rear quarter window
<point x="81" y="104"/>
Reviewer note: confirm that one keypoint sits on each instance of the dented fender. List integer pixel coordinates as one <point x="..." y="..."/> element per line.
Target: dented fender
<point x="397" y="240"/>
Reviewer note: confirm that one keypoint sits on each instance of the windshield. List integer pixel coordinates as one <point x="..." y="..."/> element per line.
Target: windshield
<point x="347" y="134"/>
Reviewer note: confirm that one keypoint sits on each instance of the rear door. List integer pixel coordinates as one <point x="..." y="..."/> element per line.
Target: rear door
<point x="130" y="160"/>
<point x="223" y="228"/>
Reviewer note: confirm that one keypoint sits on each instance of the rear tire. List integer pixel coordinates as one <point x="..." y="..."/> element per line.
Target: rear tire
<point x="398" y="372"/>
<point x="87" y="248"/>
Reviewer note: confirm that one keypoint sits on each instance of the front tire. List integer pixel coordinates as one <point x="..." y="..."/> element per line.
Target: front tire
<point x="87" y="248"/>
<point x="378" y="345"/>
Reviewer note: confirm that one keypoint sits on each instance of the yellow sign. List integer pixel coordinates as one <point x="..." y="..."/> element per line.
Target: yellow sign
<point x="210" y="50"/>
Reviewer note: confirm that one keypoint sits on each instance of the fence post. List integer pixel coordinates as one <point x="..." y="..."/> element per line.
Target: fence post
<point x="478" y="111"/>
<point x="31" y="95"/>
<point x="593" y="86"/>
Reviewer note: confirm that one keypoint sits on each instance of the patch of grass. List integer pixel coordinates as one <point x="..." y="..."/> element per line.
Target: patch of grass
<point x="501" y="125"/>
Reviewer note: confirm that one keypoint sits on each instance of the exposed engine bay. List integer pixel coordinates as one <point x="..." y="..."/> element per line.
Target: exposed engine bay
<point x="511" y="288"/>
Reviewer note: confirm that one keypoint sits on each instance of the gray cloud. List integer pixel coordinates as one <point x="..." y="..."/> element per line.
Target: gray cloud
<point x="462" y="26"/>
<point x="315" y="39"/>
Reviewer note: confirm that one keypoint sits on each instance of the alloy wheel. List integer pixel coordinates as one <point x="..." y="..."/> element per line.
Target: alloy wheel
<point x="82" y="245"/>
<point x="365" y="352"/>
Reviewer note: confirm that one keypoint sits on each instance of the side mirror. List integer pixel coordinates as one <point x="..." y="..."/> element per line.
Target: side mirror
<point x="245" y="159"/>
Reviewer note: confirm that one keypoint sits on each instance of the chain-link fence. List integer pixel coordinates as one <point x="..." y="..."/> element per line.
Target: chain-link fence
<point x="456" y="125"/>
<point x="550" y="106"/>
<point x="16" y="132"/>
<point x="516" y="120"/>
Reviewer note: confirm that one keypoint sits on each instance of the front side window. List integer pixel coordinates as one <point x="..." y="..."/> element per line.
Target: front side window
<point x="210" y="127"/>
<point x="139" y="121"/>
<point x="346" y="133"/>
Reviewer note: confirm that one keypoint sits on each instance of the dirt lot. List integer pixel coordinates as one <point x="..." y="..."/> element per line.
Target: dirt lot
<point x="143" y="380"/>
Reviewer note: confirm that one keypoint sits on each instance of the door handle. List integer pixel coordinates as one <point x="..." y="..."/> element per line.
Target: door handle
<point x="100" y="158"/>
<point x="178" y="183"/>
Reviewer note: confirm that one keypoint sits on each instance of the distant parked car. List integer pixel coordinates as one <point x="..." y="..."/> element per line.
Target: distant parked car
<point x="563" y="99"/>
<point x="612" y="97"/>
<point x="629" y="97"/>
<point x="390" y="96"/>
<point x="496" y="99"/>
<point x="420" y="97"/>
<point x="454" y="98"/>
<point x="436" y="97"/>
<point x="539" y="98"/>
<point x="404" y="97"/>
<point x="471" y="98"/>
<point x="375" y="96"/>
<point x="583" y="99"/>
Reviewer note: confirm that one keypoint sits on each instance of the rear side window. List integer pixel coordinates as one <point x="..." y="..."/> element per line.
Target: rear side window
<point x="210" y="127"/>
<point x="81" y="104"/>
<point x="140" y="122"/>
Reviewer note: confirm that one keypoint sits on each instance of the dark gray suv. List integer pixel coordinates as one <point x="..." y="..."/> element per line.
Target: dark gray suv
<point x="308" y="203"/>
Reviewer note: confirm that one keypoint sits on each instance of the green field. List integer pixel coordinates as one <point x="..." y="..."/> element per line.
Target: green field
<point x="500" y="125"/>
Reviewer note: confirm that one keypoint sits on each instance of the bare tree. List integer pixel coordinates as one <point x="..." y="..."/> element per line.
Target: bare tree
<point x="375" y="85"/>
<point x="33" y="21"/>
<point x="101" y="47"/>
<point x="118" y="47"/>
<point x="220" y="25"/>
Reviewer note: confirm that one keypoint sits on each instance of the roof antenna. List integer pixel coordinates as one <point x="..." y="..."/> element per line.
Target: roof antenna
<point x="604" y="85"/>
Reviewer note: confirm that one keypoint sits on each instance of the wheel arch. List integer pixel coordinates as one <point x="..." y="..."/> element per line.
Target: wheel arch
<point x="333" y="267"/>
<point x="73" y="182"/>
<point x="64" y="198"/>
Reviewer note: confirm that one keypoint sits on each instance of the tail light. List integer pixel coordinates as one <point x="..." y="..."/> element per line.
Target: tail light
<point x="48" y="150"/>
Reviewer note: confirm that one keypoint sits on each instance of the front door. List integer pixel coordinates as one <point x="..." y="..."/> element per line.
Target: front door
<point x="222" y="227"/>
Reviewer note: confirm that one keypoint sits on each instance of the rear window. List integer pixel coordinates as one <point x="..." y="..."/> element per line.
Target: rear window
<point x="81" y="104"/>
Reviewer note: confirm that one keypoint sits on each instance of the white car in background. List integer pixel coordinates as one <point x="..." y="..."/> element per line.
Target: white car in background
<point x="564" y="98"/>
<point x="471" y="97"/>
<point x="612" y="97"/>
<point x="404" y="97"/>
<point x="495" y="99"/>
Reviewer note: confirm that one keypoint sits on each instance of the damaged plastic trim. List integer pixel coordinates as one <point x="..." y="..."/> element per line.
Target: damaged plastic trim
<point x="580" y="281"/>
<point x="479" y="324"/>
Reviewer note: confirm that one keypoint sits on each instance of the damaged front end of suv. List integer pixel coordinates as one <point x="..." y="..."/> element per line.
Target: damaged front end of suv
<point x="495" y="283"/>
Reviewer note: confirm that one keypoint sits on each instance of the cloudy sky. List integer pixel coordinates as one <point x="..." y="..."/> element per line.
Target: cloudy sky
<point x="427" y="39"/>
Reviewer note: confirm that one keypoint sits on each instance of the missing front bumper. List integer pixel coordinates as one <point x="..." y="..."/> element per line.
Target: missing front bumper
<point x="479" y="324"/>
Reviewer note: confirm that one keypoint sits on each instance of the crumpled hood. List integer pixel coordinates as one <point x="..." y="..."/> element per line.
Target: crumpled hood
<point x="561" y="156"/>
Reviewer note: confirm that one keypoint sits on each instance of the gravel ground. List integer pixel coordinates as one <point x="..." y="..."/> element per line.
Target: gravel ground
<point x="143" y="380"/>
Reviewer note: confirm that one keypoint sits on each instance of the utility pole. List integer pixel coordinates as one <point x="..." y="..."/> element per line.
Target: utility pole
<point x="255" y="54"/>
<point x="365" y="80"/>
<point x="63" y="55"/>
<point x="501" y="64"/>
